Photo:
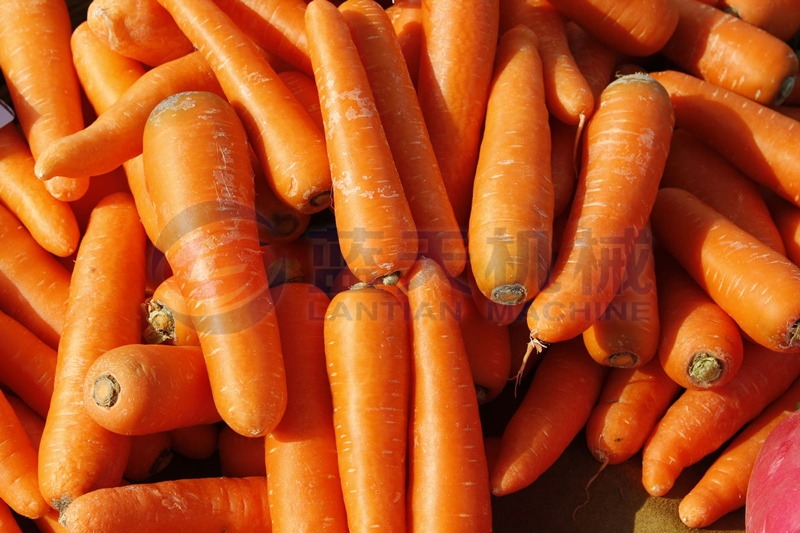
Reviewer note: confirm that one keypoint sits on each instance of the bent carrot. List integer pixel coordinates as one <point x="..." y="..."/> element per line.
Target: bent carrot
<point x="780" y="18"/>
<point x="150" y="454"/>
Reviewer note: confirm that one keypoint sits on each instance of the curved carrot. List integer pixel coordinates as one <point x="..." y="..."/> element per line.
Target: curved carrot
<point x="288" y="143"/>
<point x="406" y="18"/>
<point x="780" y="18"/>
<point x="207" y="217"/>
<point x="240" y="456"/>
<point x="511" y="218"/>
<point x="739" y="272"/>
<point x="195" y="442"/>
<point x="453" y="98"/>
<point x="595" y="60"/>
<point x="731" y="53"/>
<point x="406" y="132"/>
<point x="374" y="222"/>
<point x="112" y="250"/>
<point x="150" y="454"/>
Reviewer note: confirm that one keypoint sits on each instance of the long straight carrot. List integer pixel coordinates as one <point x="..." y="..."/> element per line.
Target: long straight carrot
<point x="106" y="290"/>
<point x="406" y="18"/>
<point x="288" y="143"/>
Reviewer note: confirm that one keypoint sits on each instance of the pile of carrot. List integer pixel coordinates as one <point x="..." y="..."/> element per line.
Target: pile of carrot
<point x="310" y="240"/>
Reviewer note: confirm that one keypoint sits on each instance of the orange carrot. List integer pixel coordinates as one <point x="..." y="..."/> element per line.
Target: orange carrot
<point x="209" y="235"/>
<point x="103" y="185"/>
<point x="511" y="217"/>
<point x="195" y="442"/>
<point x="780" y="18"/>
<point x="739" y="272"/>
<point x="8" y="523"/>
<point x="31" y="421"/>
<point x="277" y="222"/>
<point x="106" y="289"/>
<point x="304" y="89"/>
<point x="564" y="140"/>
<point x="374" y="222"/>
<point x="240" y="456"/>
<point x="786" y="216"/>
<point x="167" y="319"/>
<point x="406" y="18"/>
<point x="595" y="60"/>
<point x="492" y="311"/>
<point x="150" y="454"/>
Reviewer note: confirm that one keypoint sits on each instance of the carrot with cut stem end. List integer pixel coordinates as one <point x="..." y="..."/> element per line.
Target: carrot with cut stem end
<point x="195" y="442"/>
<point x="150" y="454"/>
<point x="780" y="18"/>
<point x="406" y="18"/>
<point x="490" y="310"/>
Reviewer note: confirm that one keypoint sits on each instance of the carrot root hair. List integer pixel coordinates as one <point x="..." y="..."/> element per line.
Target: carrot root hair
<point x="535" y="344"/>
<point x="585" y="502"/>
<point x="510" y="294"/>
<point x="705" y="369"/>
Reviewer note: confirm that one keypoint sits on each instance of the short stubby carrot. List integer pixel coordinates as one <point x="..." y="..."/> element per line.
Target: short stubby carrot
<point x="209" y="235"/>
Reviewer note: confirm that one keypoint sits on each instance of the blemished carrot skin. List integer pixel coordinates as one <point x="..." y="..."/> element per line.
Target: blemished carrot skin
<point x="150" y="454"/>
<point x="595" y="60"/>
<point x="490" y="310"/>
<point x="368" y="357"/>
<point x="106" y="289"/>
<point x="723" y="487"/>
<point x="781" y="18"/>
<point x="448" y="476"/>
<point x="739" y="272"/>
<point x="374" y="222"/>
<point x="207" y="217"/>
<point x="511" y="218"/>
<point x="750" y="135"/>
<point x="453" y="87"/>
<point x="240" y="456"/>
<point x="731" y="53"/>
<point x="567" y="92"/>
<point x="396" y="100"/>
<point x="565" y="387"/>
<point x="630" y="403"/>
<point x="195" y="442"/>
<point x="208" y="504"/>
<point x="693" y="166"/>
<point x="406" y="18"/>
<point x="700" y="421"/>
<point x="305" y="491"/>
<point x="612" y="203"/>
<point x="284" y="136"/>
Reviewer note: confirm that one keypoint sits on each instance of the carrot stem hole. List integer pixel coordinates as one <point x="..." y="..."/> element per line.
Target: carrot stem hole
<point x="511" y="294"/>
<point x="106" y="390"/>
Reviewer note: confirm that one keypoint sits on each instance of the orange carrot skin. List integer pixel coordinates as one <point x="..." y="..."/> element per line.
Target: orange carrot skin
<point x="780" y="18"/>
<point x="564" y="172"/>
<point x="595" y="60"/>
<point x="168" y="317"/>
<point x="304" y="89"/>
<point x="31" y="421"/>
<point x="406" y="18"/>
<point x="787" y="219"/>
<point x="8" y="523"/>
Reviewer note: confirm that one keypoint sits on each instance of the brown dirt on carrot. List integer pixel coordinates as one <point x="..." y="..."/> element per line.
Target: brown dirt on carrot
<point x="623" y="360"/>
<point x="106" y="390"/>
<point x="159" y="323"/>
<point x="705" y="369"/>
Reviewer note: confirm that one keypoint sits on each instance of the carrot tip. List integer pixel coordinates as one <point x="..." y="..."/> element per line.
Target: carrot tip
<point x="511" y="294"/>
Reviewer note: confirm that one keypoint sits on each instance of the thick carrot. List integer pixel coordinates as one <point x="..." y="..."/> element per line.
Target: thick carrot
<point x="240" y="456"/>
<point x="305" y="491"/>
<point x="367" y="351"/>
<point x="448" y="477"/>
<point x="374" y="222"/>
<point x="195" y="442"/>
<point x="700" y="421"/>
<point x="208" y="232"/>
<point x="565" y="387"/>
<point x="288" y="143"/>
<point x="406" y="132"/>
<point x="106" y="289"/>
<point x="208" y="504"/>
<point x="511" y="218"/>
<point x="453" y="87"/>
<point x="492" y="311"/>
<point x="595" y="60"/>
<point x="406" y="17"/>
<point x="631" y="402"/>
<point x="781" y="18"/>
<point x="739" y="272"/>
<point x="624" y="152"/>
<point x="731" y="53"/>
<point x="150" y="454"/>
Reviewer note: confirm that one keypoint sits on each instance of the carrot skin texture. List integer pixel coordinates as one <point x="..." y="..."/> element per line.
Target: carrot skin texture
<point x="406" y="18"/>
<point x="8" y="522"/>
<point x="781" y="18"/>
<point x="595" y="60"/>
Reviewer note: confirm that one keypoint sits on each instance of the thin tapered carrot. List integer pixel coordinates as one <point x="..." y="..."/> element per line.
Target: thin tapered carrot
<point x="208" y="504"/>
<point x="630" y="403"/>
<point x="42" y="82"/>
<point x="34" y="286"/>
<point x="624" y="150"/>
<point x="207" y="217"/>
<point x="564" y="141"/>
<point x="751" y="136"/>
<point x="567" y="93"/>
<point x="700" y="421"/>
<point x="448" y="476"/>
<point x="693" y="166"/>
<point x="374" y="221"/>
<point x="780" y="18"/>
<point x="565" y="388"/>
<point x="731" y="53"/>
<point x="453" y="87"/>
<point x="738" y="271"/>
<point x="304" y="89"/>
<point x="786" y="216"/>
<point x="406" y="18"/>
<point x="368" y="357"/>
<point x="511" y="218"/>
<point x="595" y="60"/>
<point x="106" y="289"/>
<point x="288" y="143"/>
<point x="406" y="132"/>
<point x="240" y="456"/>
<point x="305" y="491"/>
<point x="195" y="442"/>
<point x="150" y="454"/>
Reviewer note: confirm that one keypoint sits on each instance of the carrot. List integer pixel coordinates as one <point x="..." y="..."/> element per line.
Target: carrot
<point x="730" y="53"/>
<point x="374" y="222"/>
<point x="693" y="166"/>
<point x="106" y="289"/>
<point x="630" y="403"/>
<point x="566" y="91"/>
<point x="511" y="218"/>
<point x="304" y="89"/>
<point x="105" y="184"/>
<point x="195" y="442"/>
<point x="786" y="216"/>
<point x="277" y="222"/>
<point x="613" y="199"/>
<point x="208" y="504"/>
<point x="42" y="82"/>
<point x="406" y="18"/>
<point x="700" y="421"/>
<point x="565" y="387"/>
<point x="448" y="477"/>
<point x="739" y="272"/>
<point x="522" y="362"/>
<point x="305" y="492"/>
<point x="564" y="141"/>
<point x="368" y="363"/>
<point x="288" y="143"/>
<point x="751" y="136"/>
<point x="31" y="421"/>
<point x="49" y="523"/>
<point x="406" y="132"/>
<point x="453" y="98"/>
<point x="116" y="135"/>
<point x="595" y="60"/>
<point x="240" y="456"/>
<point x="150" y="454"/>
<point x="490" y="310"/>
<point x="781" y="18"/>
<point x="167" y="318"/>
<point x="34" y="286"/>
<point x="8" y="523"/>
